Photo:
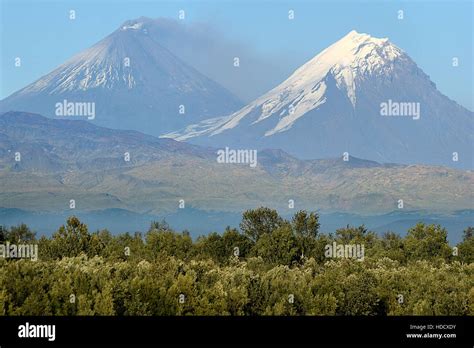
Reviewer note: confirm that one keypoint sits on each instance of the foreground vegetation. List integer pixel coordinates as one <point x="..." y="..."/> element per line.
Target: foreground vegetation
<point x="270" y="267"/>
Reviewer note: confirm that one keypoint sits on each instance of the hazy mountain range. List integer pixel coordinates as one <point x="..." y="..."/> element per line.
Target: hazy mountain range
<point x="362" y="97"/>
<point x="64" y="159"/>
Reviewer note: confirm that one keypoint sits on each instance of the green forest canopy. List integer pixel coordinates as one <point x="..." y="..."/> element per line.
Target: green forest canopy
<point x="271" y="266"/>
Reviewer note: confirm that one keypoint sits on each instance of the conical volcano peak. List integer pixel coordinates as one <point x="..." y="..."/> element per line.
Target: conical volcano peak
<point x="133" y="80"/>
<point x="333" y="103"/>
<point x="348" y="63"/>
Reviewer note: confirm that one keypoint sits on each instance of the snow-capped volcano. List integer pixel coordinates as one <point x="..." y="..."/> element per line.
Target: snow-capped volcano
<point x="134" y="81"/>
<point x="334" y="104"/>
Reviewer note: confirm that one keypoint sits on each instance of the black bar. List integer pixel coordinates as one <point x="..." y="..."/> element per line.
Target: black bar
<point x="288" y="331"/>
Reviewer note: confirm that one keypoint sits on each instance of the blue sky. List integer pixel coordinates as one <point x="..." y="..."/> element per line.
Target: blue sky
<point x="432" y="32"/>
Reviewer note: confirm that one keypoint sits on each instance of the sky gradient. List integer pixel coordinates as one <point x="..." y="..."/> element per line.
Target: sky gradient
<point x="431" y="32"/>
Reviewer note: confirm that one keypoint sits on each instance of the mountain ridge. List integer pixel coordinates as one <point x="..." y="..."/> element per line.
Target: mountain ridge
<point x="68" y="159"/>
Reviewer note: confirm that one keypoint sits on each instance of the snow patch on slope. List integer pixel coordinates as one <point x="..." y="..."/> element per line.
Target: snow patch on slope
<point x="299" y="107"/>
<point x="135" y="26"/>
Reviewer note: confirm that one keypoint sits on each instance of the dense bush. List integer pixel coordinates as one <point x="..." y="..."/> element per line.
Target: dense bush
<point x="274" y="267"/>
